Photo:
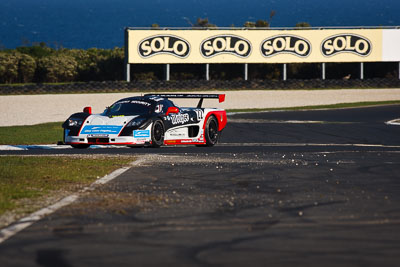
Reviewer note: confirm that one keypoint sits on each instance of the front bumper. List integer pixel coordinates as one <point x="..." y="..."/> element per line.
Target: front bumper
<point x="139" y="137"/>
<point x="125" y="140"/>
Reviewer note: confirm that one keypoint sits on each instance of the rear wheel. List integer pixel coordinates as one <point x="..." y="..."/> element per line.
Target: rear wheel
<point x="157" y="134"/>
<point x="211" y="132"/>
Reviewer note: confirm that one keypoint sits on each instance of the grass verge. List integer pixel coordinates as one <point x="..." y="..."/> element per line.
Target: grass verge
<point x="26" y="179"/>
<point x="45" y="133"/>
<point x="334" y="106"/>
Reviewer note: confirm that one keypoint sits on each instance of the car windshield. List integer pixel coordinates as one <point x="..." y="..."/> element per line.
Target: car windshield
<point x="128" y="108"/>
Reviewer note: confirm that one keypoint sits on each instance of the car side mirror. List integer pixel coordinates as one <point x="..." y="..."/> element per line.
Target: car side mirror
<point x="172" y="110"/>
<point x="88" y="110"/>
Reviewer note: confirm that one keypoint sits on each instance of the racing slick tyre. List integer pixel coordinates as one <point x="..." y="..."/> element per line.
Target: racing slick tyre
<point x="157" y="133"/>
<point x="211" y="132"/>
<point x="80" y="146"/>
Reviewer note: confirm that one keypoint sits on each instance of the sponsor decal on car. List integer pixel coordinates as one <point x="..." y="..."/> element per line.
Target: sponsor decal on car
<point x="346" y="43"/>
<point x="199" y="113"/>
<point x="158" y="108"/>
<point x="98" y="135"/>
<point x="141" y="133"/>
<point x="179" y="118"/>
<point x="140" y="103"/>
<point x="101" y="129"/>
<point x="66" y="132"/>
<point x="177" y="133"/>
<point x="157" y="99"/>
<point x="225" y="44"/>
<point x="164" y="44"/>
<point x="133" y="102"/>
<point x="288" y="44"/>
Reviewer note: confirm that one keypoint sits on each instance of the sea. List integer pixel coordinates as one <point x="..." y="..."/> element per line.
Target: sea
<point x="85" y="24"/>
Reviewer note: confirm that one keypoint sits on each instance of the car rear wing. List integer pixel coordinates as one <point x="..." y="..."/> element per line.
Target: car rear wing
<point x="220" y="97"/>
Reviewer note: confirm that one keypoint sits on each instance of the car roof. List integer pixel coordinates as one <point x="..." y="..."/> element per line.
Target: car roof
<point x="148" y="98"/>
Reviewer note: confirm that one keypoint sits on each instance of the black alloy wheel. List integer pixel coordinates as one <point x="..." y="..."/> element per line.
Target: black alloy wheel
<point x="211" y="133"/>
<point x="157" y="134"/>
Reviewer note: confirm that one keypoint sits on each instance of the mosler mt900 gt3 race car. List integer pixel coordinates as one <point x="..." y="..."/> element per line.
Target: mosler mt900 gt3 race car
<point x="149" y="120"/>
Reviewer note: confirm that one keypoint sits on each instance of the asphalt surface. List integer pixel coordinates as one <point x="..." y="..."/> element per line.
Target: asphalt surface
<point x="306" y="188"/>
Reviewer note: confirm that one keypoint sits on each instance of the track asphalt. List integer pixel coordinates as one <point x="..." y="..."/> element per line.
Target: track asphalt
<point x="305" y="188"/>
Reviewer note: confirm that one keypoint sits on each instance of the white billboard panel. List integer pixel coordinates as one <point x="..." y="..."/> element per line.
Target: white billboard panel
<point x="391" y="45"/>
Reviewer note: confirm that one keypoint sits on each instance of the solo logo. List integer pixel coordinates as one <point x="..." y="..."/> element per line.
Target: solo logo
<point x="346" y="43"/>
<point x="289" y="44"/>
<point x="164" y="44"/>
<point x="225" y="44"/>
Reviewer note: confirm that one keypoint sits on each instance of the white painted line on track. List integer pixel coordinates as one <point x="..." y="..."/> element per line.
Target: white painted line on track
<point x="393" y="122"/>
<point x="23" y="223"/>
<point x="306" y="144"/>
<point x="279" y="121"/>
<point x="7" y="147"/>
<point x="264" y="121"/>
<point x="29" y="147"/>
<point x="34" y="147"/>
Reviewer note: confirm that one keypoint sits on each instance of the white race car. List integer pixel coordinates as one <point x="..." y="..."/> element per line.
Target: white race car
<point x="149" y="120"/>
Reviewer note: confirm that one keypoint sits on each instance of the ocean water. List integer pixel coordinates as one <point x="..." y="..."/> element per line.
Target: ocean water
<point x="101" y="23"/>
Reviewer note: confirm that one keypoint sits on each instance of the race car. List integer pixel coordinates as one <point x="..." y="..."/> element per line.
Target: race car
<point x="149" y="120"/>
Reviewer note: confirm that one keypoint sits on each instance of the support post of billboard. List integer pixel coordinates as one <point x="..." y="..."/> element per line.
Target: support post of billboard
<point x="127" y="72"/>
<point x="167" y="69"/>
<point x="323" y="71"/>
<point x="207" y="72"/>
<point x="284" y="72"/>
<point x="126" y="62"/>
<point x="362" y="70"/>
<point x="246" y="71"/>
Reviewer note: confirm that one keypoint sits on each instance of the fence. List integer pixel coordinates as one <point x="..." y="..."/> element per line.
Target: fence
<point x="196" y="85"/>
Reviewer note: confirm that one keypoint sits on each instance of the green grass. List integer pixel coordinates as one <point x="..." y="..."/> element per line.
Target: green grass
<point x="29" y="178"/>
<point x="46" y="133"/>
<point x="334" y="106"/>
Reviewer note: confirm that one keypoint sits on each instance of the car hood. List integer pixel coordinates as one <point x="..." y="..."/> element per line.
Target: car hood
<point x="105" y="120"/>
<point x="103" y="125"/>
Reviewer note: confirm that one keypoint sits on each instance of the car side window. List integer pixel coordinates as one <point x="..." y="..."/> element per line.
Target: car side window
<point x="166" y="104"/>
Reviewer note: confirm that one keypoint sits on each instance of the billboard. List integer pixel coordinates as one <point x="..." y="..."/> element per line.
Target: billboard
<point x="262" y="46"/>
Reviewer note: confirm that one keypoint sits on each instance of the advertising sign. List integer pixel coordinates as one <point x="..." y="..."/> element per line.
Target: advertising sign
<point x="262" y="46"/>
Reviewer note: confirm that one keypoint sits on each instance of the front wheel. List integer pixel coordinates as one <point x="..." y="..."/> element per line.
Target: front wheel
<point x="211" y="132"/>
<point x="157" y="134"/>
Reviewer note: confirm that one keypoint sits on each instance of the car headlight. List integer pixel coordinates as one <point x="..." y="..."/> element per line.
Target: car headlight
<point x="74" y="122"/>
<point x="136" y="122"/>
